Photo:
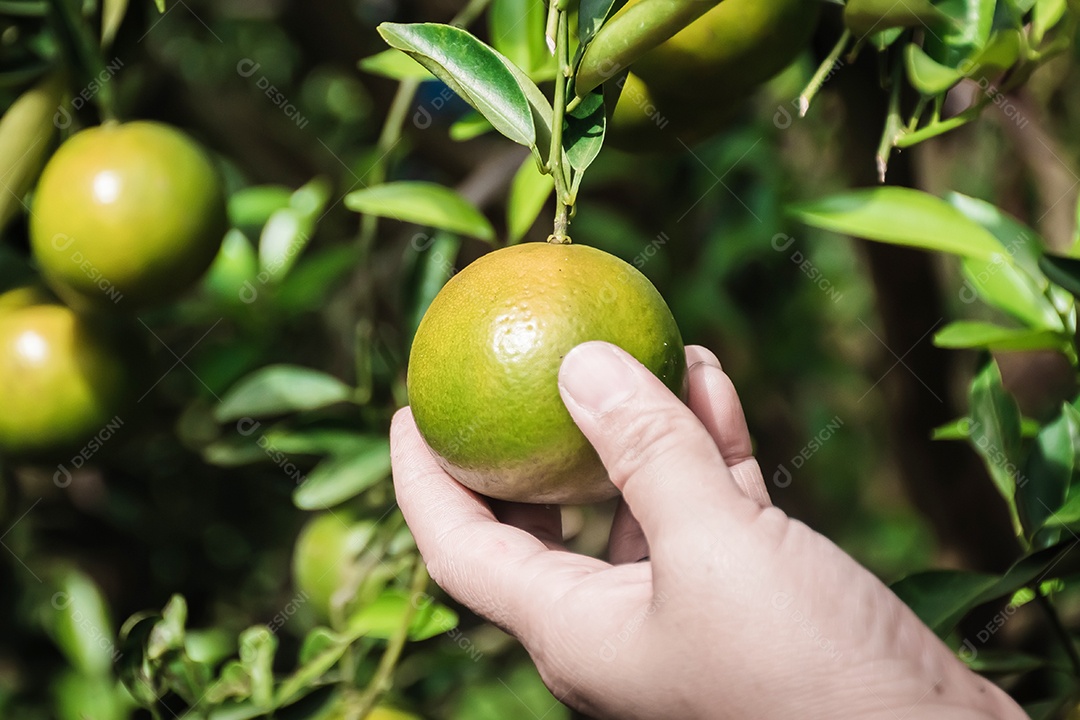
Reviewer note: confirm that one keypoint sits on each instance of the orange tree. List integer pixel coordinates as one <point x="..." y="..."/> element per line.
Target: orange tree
<point x="242" y="491"/>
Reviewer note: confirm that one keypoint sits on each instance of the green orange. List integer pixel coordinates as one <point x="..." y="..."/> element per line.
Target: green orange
<point x="483" y="371"/>
<point x="325" y="559"/>
<point x="696" y="81"/>
<point x="62" y="379"/>
<point x="646" y="118"/>
<point x="127" y="215"/>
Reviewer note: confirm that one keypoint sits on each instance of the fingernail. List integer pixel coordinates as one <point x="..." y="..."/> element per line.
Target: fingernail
<point x="597" y="378"/>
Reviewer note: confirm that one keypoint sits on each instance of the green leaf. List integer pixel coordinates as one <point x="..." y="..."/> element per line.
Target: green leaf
<point x="864" y="17"/>
<point x="306" y="677"/>
<point x="960" y="429"/>
<point x="962" y="33"/>
<point x="318" y="441"/>
<point x="316" y="641"/>
<point x="257" y="648"/>
<point x="422" y="203"/>
<point x="1020" y="242"/>
<point x="26" y="132"/>
<point x="1003" y="662"/>
<point x="132" y="668"/>
<point x="112" y="15"/>
<point x="476" y="72"/>
<point x="314" y="278"/>
<point x="81" y="52"/>
<point x="472" y="125"/>
<point x="234" y="682"/>
<point x="78" y="619"/>
<point x="396" y="65"/>
<point x="289" y="230"/>
<point x="168" y="633"/>
<point x="941" y="598"/>
<point x="539" y="106"/>
<point x="1046" y="14"/>
<point x="927" y="75"/>
<point x="584" y="133"/>
<point x="529" y="192"/>
<point x="592" y="14"/>
<point x="1049" y="469"/>
<point x="995" y="431"/>
<point x="436" y="266"/>
<point x="234" y="268"/>
<point x="516" y="28"/>
<point x="24" y="8"/>
<point x="883" y="40"/>
<point x="310" y="198"/>
<point x="160" y="4"/>
<point x="900" y="216"/>
<point x="234" y="451"/>
<point x="77" y="696"/>
<point x="1005" y="286"/>
<point x="1001" y="53"/>
<point x="251" y="207"/>
<point x="383" y="618"/>
<point x="1062" y="271"/>
<point x="280" y="389"/>
<point x="983" y="335"/>
<point x="283" y="238"/>
<point x="340" y="478"/>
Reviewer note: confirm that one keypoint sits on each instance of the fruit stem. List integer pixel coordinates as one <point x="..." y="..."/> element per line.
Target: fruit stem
<point x="384" y="673"/>
<point x="823" y="72"/>
<point x="558" y="169"/>
<point x="894" y="125"/>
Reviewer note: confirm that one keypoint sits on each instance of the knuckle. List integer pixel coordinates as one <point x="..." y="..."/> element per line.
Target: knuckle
<point x="647" y="440"/>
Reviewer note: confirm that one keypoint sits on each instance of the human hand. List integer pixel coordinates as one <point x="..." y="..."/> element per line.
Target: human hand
<point x="739" y="612"/>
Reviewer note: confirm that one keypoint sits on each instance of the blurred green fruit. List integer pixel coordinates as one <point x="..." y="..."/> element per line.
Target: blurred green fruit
<point x="689" y="87"/>
<point x="328" y="560"/>
<point x="127" y="215"/>
<point x="62" y="379"/>
<point x="645" y="119"/>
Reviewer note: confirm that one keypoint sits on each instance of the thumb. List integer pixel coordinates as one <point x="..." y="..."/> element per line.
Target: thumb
<point x="655" y="449"/>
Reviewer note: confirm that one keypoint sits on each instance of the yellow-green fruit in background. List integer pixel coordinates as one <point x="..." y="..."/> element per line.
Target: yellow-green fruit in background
<point x="649" y="120"/>
<point x="62" y="380"/>
<point x="325" y="559"/>
<point x="693" y="85"/>
<point x="731" y="49"/>
<point x="25" y="297"/>
<point x="127" y="215"/>
<point x="483" y="371"/>
<point x="380" y="712"/>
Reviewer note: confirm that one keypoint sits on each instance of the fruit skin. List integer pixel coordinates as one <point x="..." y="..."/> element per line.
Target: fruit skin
<point x="127" y="214"/>
<point x="62" y="380"/>
<point x="649" y="120"/>
<point x="483" y="370"/>
<point x="699" y="78"/>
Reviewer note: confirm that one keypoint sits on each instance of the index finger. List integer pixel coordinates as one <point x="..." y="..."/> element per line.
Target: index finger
<point x="499" y="571"/>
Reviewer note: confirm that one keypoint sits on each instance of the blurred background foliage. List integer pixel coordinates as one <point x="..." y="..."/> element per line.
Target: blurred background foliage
<point x="197" y="494"/>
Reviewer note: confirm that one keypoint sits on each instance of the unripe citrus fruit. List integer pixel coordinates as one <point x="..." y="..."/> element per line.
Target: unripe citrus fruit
<point x="731" y="49"/>
<point x="61" y="379"/>
<point x="692" y="85"/>
<point x="127" y="214"/>
<point x="325" y="558"/>
<point x="646" y="118"/>
<point x="483" y="372"/>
